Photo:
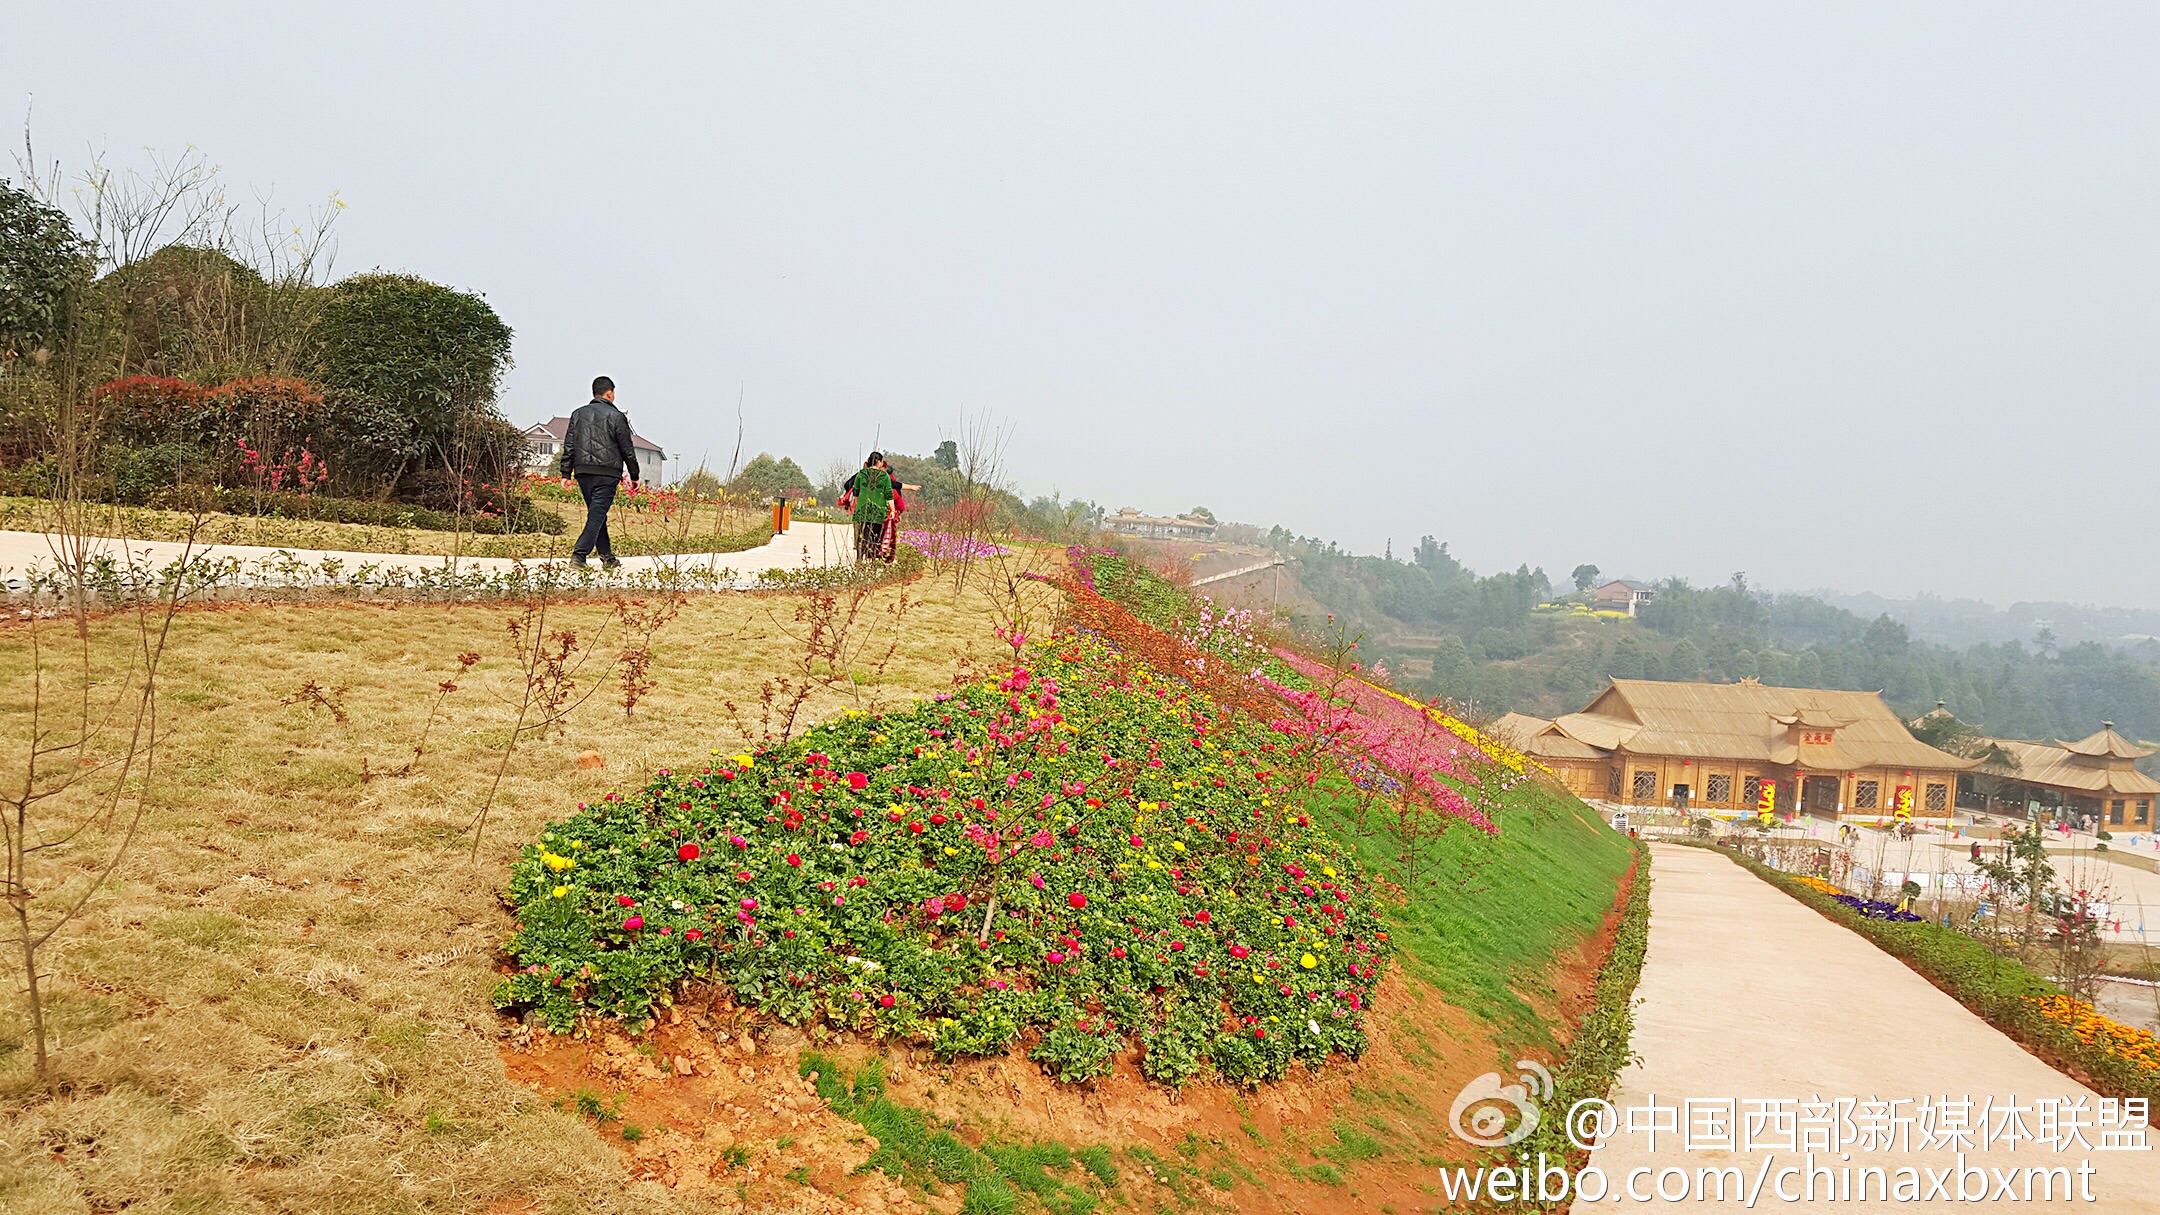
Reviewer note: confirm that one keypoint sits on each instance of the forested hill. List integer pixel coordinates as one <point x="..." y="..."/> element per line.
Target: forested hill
<point x="1442" y="628"/>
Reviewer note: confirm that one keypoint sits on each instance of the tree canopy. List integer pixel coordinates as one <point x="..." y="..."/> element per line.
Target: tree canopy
<point x="42" y="259"/>
<point x="415" y="363"/>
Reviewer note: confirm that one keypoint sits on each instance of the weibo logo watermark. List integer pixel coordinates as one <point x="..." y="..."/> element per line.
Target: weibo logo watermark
<point x="1492" y="1114"/>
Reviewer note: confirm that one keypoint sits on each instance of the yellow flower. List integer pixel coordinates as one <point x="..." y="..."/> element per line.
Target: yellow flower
<point x="1308" y="961"/>
<point x="561" y="891"/>
<point x="1328" y="870"/>
<point x="745" y="761"/>
<point x="952" y="852"/>
<point x="554" y="862"/>
<point x="1147" y="806"/>
<point x="1178" y="844"/>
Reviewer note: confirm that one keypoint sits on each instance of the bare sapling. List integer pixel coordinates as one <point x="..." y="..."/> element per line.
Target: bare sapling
<point x="550" y="662"/>
<point x="641" y="622"/>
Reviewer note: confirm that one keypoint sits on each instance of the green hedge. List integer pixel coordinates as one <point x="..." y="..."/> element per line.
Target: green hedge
<point x="1600" y="1048"/>
<point x="1997" y="989"/>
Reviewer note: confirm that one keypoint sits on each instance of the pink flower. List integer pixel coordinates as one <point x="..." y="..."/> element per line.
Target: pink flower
<point x="634" y="923"/>
<point x="1035" y="880"/>
<point x="749" y="904"/>
<point x="1056" y="958"/>
<point x="1239" y="951"/>
<point x="694" y="934"/>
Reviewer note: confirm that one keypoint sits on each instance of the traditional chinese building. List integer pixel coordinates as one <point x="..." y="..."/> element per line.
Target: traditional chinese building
<point x="1717" y="749"/>
<point x="2096" y="775"/>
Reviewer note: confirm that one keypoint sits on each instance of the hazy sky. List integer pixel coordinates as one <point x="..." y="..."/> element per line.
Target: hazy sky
<point x="1857" y="295"/>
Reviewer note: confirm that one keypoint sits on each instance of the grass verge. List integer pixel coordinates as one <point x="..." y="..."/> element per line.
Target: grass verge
<point x="990" y="1179"/>
<point x="1600" y="1047"/>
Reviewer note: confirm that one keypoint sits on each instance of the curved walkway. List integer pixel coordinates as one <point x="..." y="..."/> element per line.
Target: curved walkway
<point x="803" y="545"/>
<point x="1748" y="996"/>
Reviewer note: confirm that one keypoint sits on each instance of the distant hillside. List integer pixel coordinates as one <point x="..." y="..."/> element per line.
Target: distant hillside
<point x="1485" y="640"/>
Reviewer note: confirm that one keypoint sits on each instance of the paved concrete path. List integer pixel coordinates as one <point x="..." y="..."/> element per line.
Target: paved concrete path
<point x="1747" y="994"/>
<point x="804" y="544"/>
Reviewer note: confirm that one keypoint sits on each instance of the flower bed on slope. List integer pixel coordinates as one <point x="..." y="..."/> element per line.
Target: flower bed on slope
<point x="1078" y="854"/>
<point x="1382" y="739"/>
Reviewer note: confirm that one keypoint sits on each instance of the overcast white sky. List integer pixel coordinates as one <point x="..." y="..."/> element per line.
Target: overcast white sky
<point x="1854" y="295"/>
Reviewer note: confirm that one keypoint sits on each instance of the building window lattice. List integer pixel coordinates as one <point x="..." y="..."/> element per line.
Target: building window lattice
<point x="1612" y="782"/>
<point x="1645" y="786"/>
<point x="1751" y="791"/>
<point x="2115" y="813"/>
<point x="1938" y="797"/>
<point x="1718" y="790"/>
<point x="1865" y="794"/>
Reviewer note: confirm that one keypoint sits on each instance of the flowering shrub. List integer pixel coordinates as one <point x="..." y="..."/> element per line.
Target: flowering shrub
<point x="1076" y="854"/>
<point x="944" y="546"/>
<point x="2126" y="1042"/>
<point x="1381" y="739"/>
<point x="1876" y="909"/>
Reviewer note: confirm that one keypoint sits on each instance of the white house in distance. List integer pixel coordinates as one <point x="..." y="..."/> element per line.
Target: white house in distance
<point x="546" y="440"/>
<point x="1128" y="521"/>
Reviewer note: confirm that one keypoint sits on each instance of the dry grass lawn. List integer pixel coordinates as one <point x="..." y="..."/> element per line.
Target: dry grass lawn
<point x="690" y="529"/>
<point x="283" y="1004"/>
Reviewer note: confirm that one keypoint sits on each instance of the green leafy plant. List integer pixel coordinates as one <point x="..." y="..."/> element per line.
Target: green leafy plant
<point x="1078" y="849"/>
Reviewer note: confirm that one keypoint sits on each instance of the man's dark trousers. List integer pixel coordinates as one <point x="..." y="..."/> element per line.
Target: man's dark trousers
<point x="599" y="491"/>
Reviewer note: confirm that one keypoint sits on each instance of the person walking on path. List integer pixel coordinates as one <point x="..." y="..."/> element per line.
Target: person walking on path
<point x="596" y="450"/>
<point x="872" y="498"/>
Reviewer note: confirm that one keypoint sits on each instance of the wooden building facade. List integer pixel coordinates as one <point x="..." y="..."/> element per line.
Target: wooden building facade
<point x="1715" y="748"/>
<point x="2096" y="776"/>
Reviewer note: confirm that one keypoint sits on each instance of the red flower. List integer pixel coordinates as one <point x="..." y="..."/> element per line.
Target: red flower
<point x="688" y="852"/>
<point x="917" y="828"/>
<point x="1077" y="900"/>
<point x="857" y="781"/>
<point x="625" y="900"/>
<point x="858" y="837"/>
<point x="937" y="820"/>
<point x="955" y="902"/>
<point x="634" y="923"/>
<point x="794" y="861"/>
<point x="885" y="1001"/>
<point x="1117" y="951"/>
<point x="694" y="934"/>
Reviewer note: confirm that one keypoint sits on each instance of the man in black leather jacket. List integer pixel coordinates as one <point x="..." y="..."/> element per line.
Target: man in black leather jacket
<point x="597" y="451"/>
